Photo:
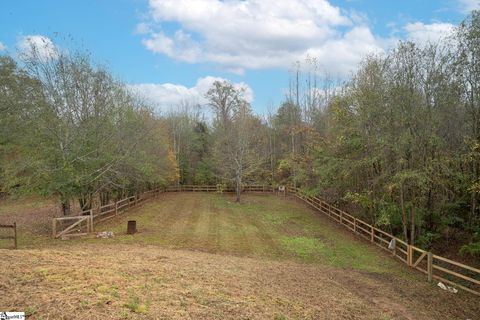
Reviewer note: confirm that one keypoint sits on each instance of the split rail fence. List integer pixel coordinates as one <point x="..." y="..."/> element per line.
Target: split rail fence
<point x="218" y="189"/>
<point x="83" y="223"/>
<point x="434" y="266"/>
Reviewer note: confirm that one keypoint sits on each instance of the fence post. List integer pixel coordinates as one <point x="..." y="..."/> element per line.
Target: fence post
<point x="54" y="227"/>
<point x="430" y="266"/>
<point x="15" y="233"/>
<point x="91" y="220"/>
<point x="372" y="234"/>
<point x="116" y="207"/>
<point x="354" y="224"/>
<point x="341" y="217"/>
<point x="409" y="255"/>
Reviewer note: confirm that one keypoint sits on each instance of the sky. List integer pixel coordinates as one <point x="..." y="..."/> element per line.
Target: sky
<point x="171" y="51"/>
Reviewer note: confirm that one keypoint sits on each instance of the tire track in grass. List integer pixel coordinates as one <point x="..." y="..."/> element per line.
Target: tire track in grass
<point x="163" y="219"/>
<point x="258" y="238"/>
<point x="233" y="237"/>
<point x="202" y="234"/>
<point x="185" y="219"/>
<point x="229" y="228"/>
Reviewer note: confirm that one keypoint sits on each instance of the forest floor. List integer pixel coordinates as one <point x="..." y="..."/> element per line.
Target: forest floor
<point x="202" y="256"/>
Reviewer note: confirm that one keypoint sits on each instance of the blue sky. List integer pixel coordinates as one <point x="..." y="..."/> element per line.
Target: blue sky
<point x="167" y="49"/>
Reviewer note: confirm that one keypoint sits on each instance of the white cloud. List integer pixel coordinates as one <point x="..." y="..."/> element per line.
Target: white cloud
<point x="258" y="34"/>
<point x="167" y="95"/>
<point x="466" y="6"/>
<point x="421" y="33"/>
<point x="142" y="28"/>
<point x="37" y="45"/>
<point x="2" y="47"/>
<point x="181" y="46"/>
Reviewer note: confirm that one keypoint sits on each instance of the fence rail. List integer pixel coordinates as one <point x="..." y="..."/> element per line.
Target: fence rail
<point x="434" y="266"/>
<point x="218" y="188"/>
<point x="12" y="237"/>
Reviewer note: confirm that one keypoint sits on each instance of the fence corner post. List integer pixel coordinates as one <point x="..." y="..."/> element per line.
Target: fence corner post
<point x="430" y="266"/>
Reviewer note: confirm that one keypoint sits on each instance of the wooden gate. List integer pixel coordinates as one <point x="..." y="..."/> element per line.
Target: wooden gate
<point x="72" y="226"/>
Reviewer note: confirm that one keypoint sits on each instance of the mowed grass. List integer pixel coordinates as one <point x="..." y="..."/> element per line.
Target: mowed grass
<point x="261" y="225"/>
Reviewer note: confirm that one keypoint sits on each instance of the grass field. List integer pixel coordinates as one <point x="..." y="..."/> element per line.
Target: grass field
<point x="202" y="256"/>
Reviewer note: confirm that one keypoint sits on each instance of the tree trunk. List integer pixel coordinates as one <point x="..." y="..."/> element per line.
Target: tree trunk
<point x="412" y="225"/>
<point x="473" y="208"/>
<point x="104" y="198"/>
<point x="85" y="202"/>
<point x="238" y="186"/>
<point x="293" y="161"/>
<point x="404" y="215"/>
<point x="66" y="207"/>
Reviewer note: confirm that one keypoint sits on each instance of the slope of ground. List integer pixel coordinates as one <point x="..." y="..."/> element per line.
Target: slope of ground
<point x="97" y="281"/>
<point x="32" y="214"/>
<point x="200" y="256"/>
<point x="262" y="225"/>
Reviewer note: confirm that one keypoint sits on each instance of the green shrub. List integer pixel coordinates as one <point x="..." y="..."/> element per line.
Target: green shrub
<point x="472" y="249"/>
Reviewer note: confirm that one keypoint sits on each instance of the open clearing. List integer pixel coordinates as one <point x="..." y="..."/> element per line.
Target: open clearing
<point x="201" y="256"/>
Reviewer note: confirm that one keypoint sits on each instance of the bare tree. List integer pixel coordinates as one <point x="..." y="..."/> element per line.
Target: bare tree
<point x="239" y="145"/>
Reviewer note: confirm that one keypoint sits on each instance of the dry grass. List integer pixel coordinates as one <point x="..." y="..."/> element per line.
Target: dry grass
<point x="204" y="257"/>
<point x="148" y="282"/>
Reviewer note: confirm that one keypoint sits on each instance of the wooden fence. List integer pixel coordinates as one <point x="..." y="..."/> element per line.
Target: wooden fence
<point x="219" y="188"/>
<point x="435" y="267"/>
<point x="13" y="237"/>
<point x="83" y="223"/>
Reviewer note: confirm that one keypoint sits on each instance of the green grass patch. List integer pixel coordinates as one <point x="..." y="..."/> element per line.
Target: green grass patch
<point x="305" y="248"/>
<point x="336" y="252"/>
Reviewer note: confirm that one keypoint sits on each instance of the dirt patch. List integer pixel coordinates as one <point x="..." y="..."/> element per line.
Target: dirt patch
<point x="31" y="214"/>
